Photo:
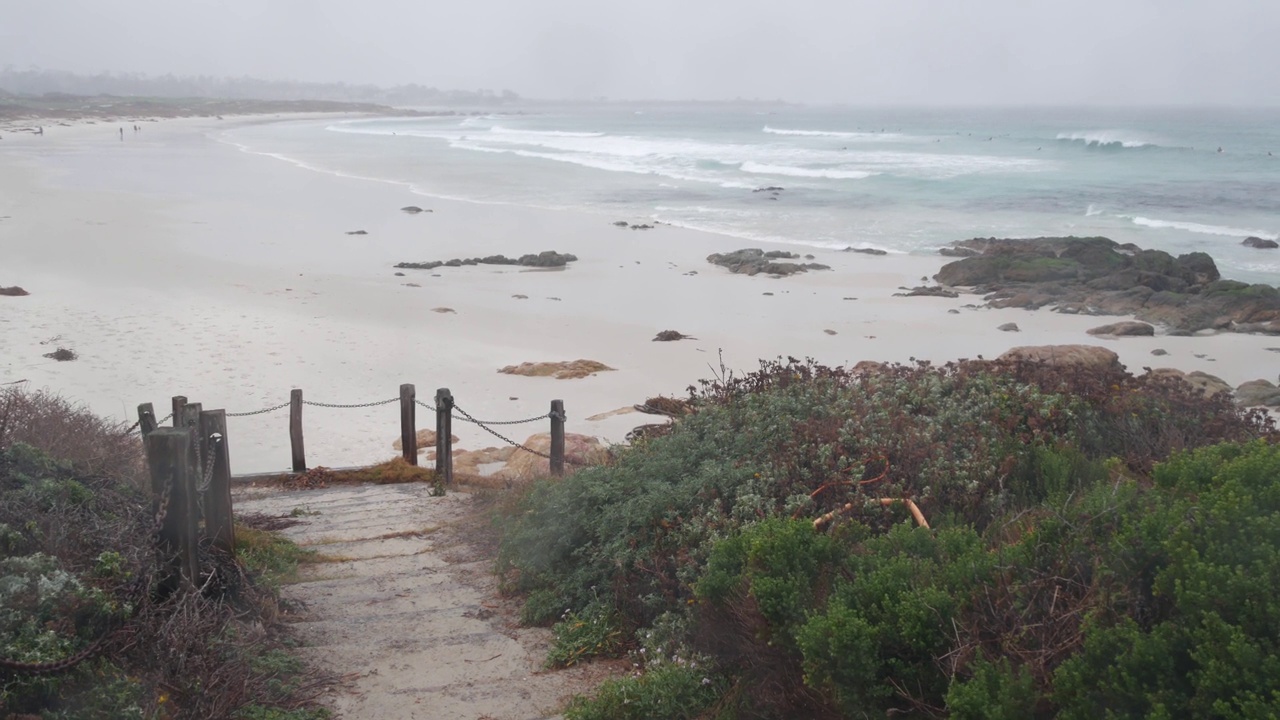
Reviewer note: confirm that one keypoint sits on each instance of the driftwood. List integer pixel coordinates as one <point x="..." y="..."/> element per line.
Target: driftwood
<point x="886" y="502"/>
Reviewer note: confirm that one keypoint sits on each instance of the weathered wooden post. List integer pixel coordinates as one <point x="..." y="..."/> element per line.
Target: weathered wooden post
<point x="408" y="424"/>
<point x="171" y="457"/>
<point x="191" y="422"/>
<point x="179" y="402"/>
<point x="146" y="419"/>
<point x="444" y="431"/>
<point x="295" y="431"/>
<point x="219" y="522"/>
<point x="557" y="438"/>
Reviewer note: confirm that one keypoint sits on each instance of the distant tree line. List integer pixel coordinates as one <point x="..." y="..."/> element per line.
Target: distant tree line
<point x="35" y="81"/>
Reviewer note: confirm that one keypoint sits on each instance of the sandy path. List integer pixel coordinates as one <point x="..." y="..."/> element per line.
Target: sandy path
<point x="409" y="602"/>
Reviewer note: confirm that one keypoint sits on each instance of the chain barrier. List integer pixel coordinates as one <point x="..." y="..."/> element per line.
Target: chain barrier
<point x="419" y="403"/>
<point x="263" y="411"/>
<point x="485" y="426"/>
<point x="341" y="406"/>
<point x="468" y="418"/>
<point x="135" y="427"/>
<point x="205" y="481"/>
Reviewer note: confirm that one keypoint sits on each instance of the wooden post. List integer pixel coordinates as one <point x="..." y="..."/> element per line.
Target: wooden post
<point x="444" y="432"/>
<point x="408" y="424"/>
<point x="557" y="438"/>
<point x="219" y="522"/>
<point x="146" y="419"/>
<point x="191" y="422"/>
<point x="179" y="402"/>
<point x="171" y="457"/>
<point x="295" y="431"/>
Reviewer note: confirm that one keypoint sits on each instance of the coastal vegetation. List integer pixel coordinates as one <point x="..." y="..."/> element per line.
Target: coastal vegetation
<point x="983" y="539"/>
<point x="78" y="581"/>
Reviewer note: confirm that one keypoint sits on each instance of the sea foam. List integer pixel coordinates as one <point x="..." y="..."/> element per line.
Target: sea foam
<point x="1202" y="228"/>
<point x="1107" y="138"/>
<point x="829" y="174"/>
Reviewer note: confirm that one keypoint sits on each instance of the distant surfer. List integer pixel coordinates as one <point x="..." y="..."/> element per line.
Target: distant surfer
<point x="1219" y="149"/>
<point x="121" y="134"/>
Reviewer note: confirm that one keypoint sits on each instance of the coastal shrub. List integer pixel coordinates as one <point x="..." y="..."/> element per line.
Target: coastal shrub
<point x="581" y="636"/>
<point x="77" y="567"/>
<point x="1035" y="480"/>
<point x="670" y="691"/>
<point x="62" y="429"/>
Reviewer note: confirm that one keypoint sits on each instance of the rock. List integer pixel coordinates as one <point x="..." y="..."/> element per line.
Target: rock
<point x="545" y="259"/>
<point x="621" y="223"/>
<point x="958" y="252"/>
<point x="357" y="232"/>
<point x="1261" y="244"/>
<point x="1256" y="393"/>
<point x="13" y="291"/>
<point x="867" y="251"/>
<point x="953" y="311"/>
<point x="1091" y="356"/>
<point x="443" y="310"/>
<point x="768" y="293"/>
<point x="1009" y="327"/>
<point x="641" y="227"/>
<point x="520" y="297"/>
<point x="566" y="370"/>
<point x="771" y="188"/>
<point x="426" y="441"/>
<point x="808" y="257"/>
<point x="1127" y="328"/>
<point x="412" y="285"/>
<point x="413" y="209"/>
<point x="754" y="261"/>
<point x="670" y="335"/>
<point x="1159" y="352"/>
<point x="829" y="332"/>
<point x="1208" y="384"/>
<point x="1096" y="276"/>
<point x="399" y="274"/>
<point x="579" y="451"/>
<point x="922" y="291"/>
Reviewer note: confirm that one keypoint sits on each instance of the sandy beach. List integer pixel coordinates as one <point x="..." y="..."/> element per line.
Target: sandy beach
<point x="174" y="263"/>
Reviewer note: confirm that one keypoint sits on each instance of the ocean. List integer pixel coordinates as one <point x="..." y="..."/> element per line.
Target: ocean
<point x="900" y="180"/>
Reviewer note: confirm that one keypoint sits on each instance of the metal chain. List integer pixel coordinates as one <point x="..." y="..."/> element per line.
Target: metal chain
<point x="422" y="404"/>
<point x="134" y="427"/>
<point x="208" y="469"/>
<point x="260" y="412"/>
<point x="354" y="405"/>
<point x="467" y="416"/>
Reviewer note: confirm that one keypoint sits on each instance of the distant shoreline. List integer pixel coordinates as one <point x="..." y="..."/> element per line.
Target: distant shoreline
<point x="25" y="108"/>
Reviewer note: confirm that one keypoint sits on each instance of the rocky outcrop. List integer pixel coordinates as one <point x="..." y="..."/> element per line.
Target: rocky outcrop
<point x="544" y="259"/>
<point x="1206" y="383"/>
<point x="1090" y="356"/>
<point x="1097" y="276"/>
<point x="867" y="251"/>
<point x="1009" y="327"/>
<point x="925" y="291"/>
<point x="1126" y="328"/>
<point x="579" y="451"/>
<point x="1258" y="393"/>
<point x="567" y="370"/>
<point x="13" y="291"/>
<point x="1260" y="243"/>
<point x="770" y="189"/>
<point x="671" y="335"/>
<point x="426" y="441"/>
<point x="754" y="261"/>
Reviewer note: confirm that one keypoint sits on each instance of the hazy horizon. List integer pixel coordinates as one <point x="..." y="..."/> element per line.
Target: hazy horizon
<point x="816" y="52"/>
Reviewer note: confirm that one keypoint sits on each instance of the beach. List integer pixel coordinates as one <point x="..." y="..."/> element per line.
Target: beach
<point x="173" y="263"/>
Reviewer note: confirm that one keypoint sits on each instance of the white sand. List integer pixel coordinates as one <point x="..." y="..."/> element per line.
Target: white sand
<point x="175" y="264"/>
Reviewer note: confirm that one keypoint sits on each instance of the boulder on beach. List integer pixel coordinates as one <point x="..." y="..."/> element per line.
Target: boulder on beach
<point x="1127" y="328"/>
<point x="1258" y="393"/>
<point x="579" y="451"/>
<point x="1009" y="327"/>
<point x="426" y="441"/>
<point x="866" y="251"/>
<point x="923" y="291"/>
<point x="13" y="291"/>
<point x="1206" y="383"/>
<point x="1092" y="356"/>
<point x="567" y="370"/>
<point x="671" y="335"/>
<point x="412" y="209"/>
<point x="754" y="261"/>
<point x="769" y="189"/>
<point x="443" y="310"/>
<point x="357" y="232"/>
<point x="622" y="224"/>
<point x="1260" y="243"/>
<point x="544" y="259"/>
<point x="1098" y="276"/>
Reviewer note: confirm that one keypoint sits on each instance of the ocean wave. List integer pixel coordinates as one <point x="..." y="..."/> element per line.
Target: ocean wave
<point x="839" y="134"/>
<point x="1092" y="210"/>
<point x="828" y="174"/>
<point x="607" y="163"/>
<point x="1202" y="228"/>
<point x="1107" y="138"/>
<point x="500" y="130"/>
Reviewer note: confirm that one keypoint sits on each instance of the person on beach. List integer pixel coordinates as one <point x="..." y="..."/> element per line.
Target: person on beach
<point x="122" y="134"/>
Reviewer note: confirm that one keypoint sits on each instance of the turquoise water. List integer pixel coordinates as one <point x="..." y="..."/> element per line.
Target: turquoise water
<point x="900" y="180"/>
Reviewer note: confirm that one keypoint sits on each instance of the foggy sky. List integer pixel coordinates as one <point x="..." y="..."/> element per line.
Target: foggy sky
<point x="941" y="52"/>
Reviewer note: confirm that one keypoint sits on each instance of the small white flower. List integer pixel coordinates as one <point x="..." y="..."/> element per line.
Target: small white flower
<point x="706" y="681"/>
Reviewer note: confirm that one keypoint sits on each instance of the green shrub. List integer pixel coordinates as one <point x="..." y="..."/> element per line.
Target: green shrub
<point x="670" y="691"/>
<point x="577" y="637"/>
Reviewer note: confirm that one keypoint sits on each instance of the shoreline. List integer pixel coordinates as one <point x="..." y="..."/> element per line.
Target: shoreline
<point x="175" y="264"/>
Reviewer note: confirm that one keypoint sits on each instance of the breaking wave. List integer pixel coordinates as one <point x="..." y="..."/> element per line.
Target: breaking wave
<point x="1203" y="229"/>
<point x="829" y="174"/>
<point x="1107" y="139"/>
